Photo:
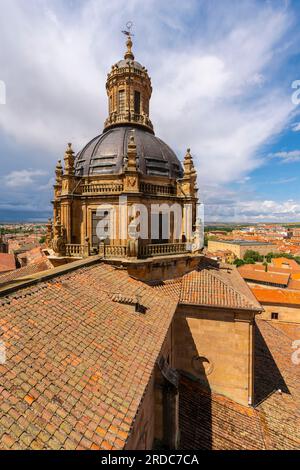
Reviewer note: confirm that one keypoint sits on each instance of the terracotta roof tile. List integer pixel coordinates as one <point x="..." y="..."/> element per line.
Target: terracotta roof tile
<point x="209" y="421"/>
<point x="274" y="369"/>
<point x="261" y="276"/>
<point x="77" y="362"/>
<point x="211" y="284"/>
<point x="294" y="284"/>
<point x="286" y="263"/>
<point x="276" y="296"/>
<point x="212" y="421"/>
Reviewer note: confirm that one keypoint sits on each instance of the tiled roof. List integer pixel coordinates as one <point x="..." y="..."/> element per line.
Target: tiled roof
<point x="212" y="421"/>
<point x="292" y="264"/>
<point x="78" y="362"/>
<point x="262" y="268"/>
<point x="211" y="284"/>
<point x="260" y="276"/>
<point x="36" y="266"/>
<point x="274" y="369"/>
<point x="209" y="421"/>
<point x="294" y="284"/>
<point x="7" y="262"/>
<point x="276" y="296"/>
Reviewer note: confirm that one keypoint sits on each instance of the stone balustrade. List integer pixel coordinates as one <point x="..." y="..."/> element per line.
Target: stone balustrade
<point x="102" y="188"/>
<point x="162" y="190"/>
<point x="75" y="250"/>
<point x="163" y="249"/>
<point x="125" y="118"/>
<point x="113" y="251"/>
<point x="121" y="251"/>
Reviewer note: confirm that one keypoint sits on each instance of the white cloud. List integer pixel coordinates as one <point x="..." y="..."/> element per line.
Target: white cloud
<point x="269" y="209"/>
<point x="211" y="68"/>
<point x="292" y="179"/>
<point x="287" y="157"/>
<point x="296" y="127"/>
<point x="253" y="210"/>
<point x="244" y="180"/>
<point x="22" y="178"/>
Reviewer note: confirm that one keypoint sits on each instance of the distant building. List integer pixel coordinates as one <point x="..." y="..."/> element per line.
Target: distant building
<point x="223" y="256"/>
<point x="239" y="247"/>
<point x="278" y="289"/>
<point x="280" y="305"/>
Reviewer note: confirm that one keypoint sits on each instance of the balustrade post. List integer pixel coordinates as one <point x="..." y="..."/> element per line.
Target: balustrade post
<point x="86" y="248"/>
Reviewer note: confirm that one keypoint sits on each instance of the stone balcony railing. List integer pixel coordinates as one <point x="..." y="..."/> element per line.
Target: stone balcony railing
<point x="113" y="251"/>
<point x="113" y="188"/>
<point x="121" y="251"/>
<point x="119" y="118"/>
<point x="102" y="188"/>
<point x="76" y="251"/>
<point x="160" y="190"/>
<point x="163" y="249"/>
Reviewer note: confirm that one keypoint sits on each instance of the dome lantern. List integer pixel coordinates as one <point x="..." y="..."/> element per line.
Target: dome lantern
<point x="129" y="91"/>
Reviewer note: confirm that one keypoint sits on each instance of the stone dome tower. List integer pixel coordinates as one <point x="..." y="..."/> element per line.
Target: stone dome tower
<point x="126" y="161"/>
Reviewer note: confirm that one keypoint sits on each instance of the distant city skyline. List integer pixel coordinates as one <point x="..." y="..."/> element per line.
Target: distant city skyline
<point x="222" y="75"/>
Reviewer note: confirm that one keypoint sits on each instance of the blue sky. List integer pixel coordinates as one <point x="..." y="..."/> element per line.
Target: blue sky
<point x="222" y="74"/>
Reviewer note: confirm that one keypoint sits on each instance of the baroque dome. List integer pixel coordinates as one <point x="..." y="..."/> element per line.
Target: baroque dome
<point x="106" y="154"/>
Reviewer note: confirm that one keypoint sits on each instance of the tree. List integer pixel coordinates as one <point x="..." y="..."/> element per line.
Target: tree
<point x="253" y="255"/>
<point x="239" y="262"/>
<point x="265" y="264"/>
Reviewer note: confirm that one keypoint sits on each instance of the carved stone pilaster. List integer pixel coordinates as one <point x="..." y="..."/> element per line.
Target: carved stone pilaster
<point x="58" y="180"/>
<point x="131" y="177"/>
<point x="59" y="239"/>
<point x="68" y="179"/>
<point x="188" y="184"/>
<point x="49" y="234"/>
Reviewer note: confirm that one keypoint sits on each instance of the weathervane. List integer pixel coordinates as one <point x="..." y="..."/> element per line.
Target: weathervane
<point x="127" y="31"/>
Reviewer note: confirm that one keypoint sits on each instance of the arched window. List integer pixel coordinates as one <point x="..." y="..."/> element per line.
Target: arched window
<point x="121" y="101"/>
<point x="137" y="102"/>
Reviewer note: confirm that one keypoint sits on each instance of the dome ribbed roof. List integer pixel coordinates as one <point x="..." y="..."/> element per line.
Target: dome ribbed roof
<point x="105" y="154"/>
<point x="133" y="63"/>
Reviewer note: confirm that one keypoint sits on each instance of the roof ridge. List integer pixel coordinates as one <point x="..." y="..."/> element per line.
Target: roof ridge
<point x="231" y="288"/>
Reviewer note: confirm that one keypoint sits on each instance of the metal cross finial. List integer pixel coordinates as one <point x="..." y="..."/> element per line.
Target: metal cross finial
<point x="127" y="31"/>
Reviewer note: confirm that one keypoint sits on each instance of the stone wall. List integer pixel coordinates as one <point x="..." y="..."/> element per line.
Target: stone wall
<point x="288" y="314"/>
<point x="216" y="347"/>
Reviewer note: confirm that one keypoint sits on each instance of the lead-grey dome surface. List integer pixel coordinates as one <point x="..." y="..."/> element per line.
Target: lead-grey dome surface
<point x="133" y="63"/>
<point x="106" y="154"/>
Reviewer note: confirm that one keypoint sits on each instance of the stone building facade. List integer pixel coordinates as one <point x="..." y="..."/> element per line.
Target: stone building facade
<point x="239" y="247"/>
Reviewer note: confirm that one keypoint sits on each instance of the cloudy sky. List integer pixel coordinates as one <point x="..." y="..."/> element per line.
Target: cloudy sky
<point x="224" y="75"/>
